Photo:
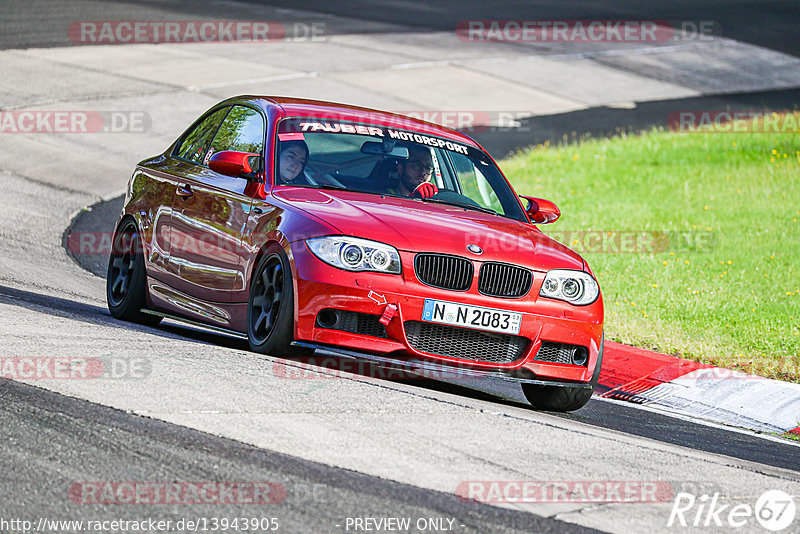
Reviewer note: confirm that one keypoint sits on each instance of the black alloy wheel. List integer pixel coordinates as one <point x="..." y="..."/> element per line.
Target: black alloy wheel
<point x="270" y="308"/>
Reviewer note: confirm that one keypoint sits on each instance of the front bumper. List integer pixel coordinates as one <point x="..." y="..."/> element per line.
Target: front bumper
<point x="320" y="286"/>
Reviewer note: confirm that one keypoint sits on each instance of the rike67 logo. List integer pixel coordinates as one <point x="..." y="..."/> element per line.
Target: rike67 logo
<point x="774" y="510"/>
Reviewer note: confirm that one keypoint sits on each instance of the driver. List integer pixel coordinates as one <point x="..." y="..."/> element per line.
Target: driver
<point x="415" y="174"/>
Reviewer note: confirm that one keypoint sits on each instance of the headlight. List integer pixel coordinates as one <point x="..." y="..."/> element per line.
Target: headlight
<point x="575" y="287"/>
<point x="355" y="254"/>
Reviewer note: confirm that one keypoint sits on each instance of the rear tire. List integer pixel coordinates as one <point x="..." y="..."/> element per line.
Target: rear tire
<point x="126" y="278"/>
<point x="270" y="307"/>
<point x="563" y="399"/>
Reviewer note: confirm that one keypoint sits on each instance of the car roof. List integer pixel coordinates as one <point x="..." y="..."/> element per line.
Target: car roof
<point x="300" y="107"/>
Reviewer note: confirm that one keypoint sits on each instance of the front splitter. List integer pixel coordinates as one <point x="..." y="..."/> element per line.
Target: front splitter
<point x="432" y="370"/>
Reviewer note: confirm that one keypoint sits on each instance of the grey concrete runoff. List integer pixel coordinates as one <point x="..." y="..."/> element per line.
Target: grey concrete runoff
<point x="426" y="438"/>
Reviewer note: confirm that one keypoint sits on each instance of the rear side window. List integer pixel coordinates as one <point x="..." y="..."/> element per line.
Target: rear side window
<point x="196" y="142"/>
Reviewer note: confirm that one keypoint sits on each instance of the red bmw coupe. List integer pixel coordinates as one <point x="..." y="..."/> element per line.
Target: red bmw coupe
<point x="355" y="233"/>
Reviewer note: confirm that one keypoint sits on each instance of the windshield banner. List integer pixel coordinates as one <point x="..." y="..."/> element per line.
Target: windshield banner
<point x="304" y="126"/>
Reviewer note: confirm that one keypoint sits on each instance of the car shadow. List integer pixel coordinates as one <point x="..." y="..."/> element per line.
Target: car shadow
<point x="94" y="314"/>
<point x="99" y="315"/>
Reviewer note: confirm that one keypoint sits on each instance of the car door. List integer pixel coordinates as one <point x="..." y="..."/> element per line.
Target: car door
<point x="210" y="211"/>
<point x="188" y="153"/>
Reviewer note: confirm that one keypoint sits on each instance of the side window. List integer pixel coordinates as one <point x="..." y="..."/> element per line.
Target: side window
<point x="241" y="131"/>
<point x="194" y="145"/>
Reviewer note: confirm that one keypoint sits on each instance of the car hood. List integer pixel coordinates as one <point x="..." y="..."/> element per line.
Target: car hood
<point x="417" y="226"/>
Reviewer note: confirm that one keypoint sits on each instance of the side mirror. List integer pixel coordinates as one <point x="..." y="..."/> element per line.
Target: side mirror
<point x="541" y="211"/>
<point x="232" y="163"/>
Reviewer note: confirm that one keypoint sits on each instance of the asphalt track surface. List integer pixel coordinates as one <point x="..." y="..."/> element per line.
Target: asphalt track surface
<point x="85" y="441"/>
<point x="51" y="440"/>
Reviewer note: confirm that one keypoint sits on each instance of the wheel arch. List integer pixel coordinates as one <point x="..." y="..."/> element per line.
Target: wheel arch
<point x="128" y="217"/>
<point x="132" y="217"/>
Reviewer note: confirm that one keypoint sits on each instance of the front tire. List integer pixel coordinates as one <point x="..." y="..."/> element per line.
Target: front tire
<point x="556" y="398"/>
<point x="126" y="279"/>
<point x="270" y="307"/>
<point x="563" y="399"/>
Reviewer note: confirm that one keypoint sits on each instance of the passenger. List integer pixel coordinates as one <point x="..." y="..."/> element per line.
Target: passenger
<point x="292" y="162"/>
<point x="414" y="174"/>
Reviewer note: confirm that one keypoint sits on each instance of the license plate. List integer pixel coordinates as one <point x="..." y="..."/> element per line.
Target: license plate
<point x="478" y="317"/>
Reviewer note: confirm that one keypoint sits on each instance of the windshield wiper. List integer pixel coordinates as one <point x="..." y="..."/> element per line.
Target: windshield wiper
<point x="465" y="206"/>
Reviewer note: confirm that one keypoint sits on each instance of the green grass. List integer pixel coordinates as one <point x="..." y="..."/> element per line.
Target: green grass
<point x="730" y="295"/>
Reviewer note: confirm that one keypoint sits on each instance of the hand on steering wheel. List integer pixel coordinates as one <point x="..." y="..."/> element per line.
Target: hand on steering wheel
<point x="425" y="190"/>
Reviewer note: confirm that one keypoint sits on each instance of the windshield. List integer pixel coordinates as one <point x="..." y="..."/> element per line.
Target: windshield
<point x="383" y="161"/>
